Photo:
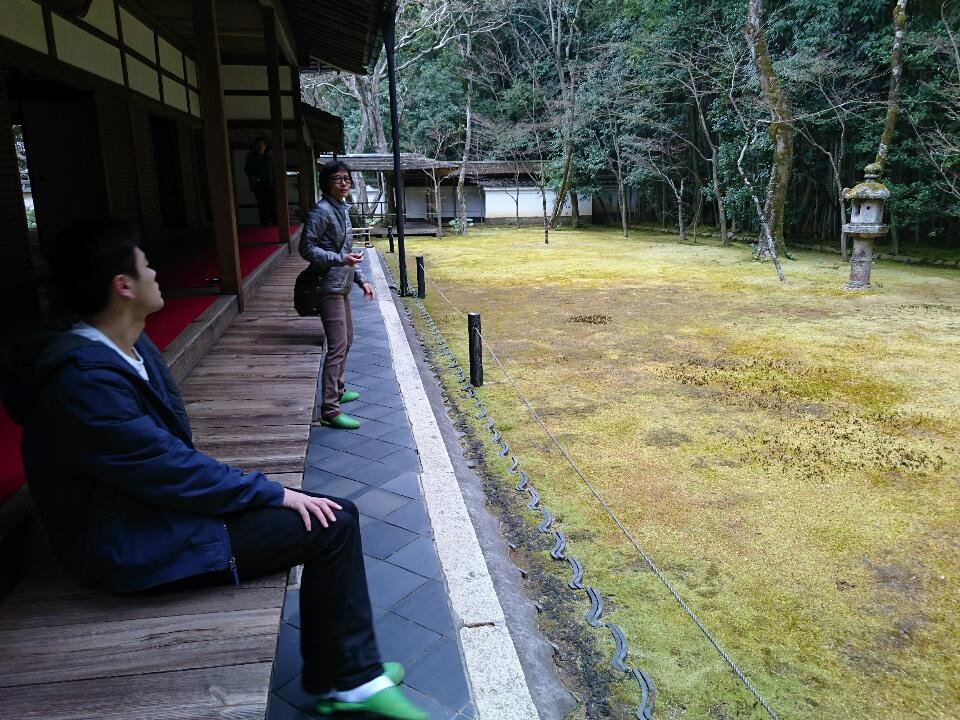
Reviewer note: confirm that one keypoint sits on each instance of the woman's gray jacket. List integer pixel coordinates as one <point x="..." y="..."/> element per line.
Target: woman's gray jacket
<point x="327" y="238"/>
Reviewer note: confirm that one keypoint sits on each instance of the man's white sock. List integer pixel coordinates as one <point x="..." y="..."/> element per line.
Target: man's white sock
<point x="362" y="692"/>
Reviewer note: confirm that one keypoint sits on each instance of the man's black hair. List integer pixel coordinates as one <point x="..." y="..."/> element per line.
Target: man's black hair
<point x="87" y="256"/>
<point x="327" y="171"/>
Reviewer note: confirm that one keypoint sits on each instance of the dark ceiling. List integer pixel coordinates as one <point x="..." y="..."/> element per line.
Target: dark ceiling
<point x="343" y="35"/>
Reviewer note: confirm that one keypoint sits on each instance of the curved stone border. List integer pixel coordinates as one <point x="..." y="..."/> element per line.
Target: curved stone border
<point x="645" y="707"/>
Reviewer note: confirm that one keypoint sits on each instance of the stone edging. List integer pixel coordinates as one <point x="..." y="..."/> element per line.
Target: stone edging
<point x="497" y="683"/>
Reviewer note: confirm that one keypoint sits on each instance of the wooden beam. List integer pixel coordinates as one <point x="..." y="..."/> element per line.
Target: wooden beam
<point x="217" y="147"/>
<point x="288" y="44"/>
<point x="276" y="121"/>
<point x="305" y="181"/>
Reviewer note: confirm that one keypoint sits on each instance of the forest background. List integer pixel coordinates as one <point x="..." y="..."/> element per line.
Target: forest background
<point x="665" y="97"/>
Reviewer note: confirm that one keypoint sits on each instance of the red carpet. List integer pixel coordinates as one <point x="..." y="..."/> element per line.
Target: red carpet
<point x="261" y="235"/>
<point x="178" y="312"/>
<point x="252" y="257"/>
<point x="195" y="270"/>
<point x="198" y="268"/>
<point x="11" y="466"/>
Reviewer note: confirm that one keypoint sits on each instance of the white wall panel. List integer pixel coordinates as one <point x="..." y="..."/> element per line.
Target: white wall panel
<point x="23" y="23"/>
<point x="77" y="47"/>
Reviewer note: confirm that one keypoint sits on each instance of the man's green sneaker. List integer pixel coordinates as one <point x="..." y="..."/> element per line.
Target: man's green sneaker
<point x="389" y="703"/>
<point x="394" y="672"/>
<point x="349" y="396"/>
<point x="341" y="421"/>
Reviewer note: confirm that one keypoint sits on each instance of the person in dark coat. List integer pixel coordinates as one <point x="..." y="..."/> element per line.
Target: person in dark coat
<point x="258" y="168"/>
<point x="129" y="503"/>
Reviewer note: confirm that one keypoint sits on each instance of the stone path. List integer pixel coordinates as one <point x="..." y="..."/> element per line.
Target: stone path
<point x="377" y="467"/>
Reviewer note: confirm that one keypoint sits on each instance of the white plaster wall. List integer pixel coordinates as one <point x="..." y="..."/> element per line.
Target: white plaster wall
<point x="254" y="107"/>
<point x="142" y="78"/>
<point x="23" y="23"/>
<point x="136" y="35"/>
<point x="415" y="200"/>
<point x="102" y="16"/>
<point x="77" y="47"/>
<point x="500" y="203"/>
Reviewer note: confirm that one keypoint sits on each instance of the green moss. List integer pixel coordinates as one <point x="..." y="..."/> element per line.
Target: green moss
<point x="787" y="454"/>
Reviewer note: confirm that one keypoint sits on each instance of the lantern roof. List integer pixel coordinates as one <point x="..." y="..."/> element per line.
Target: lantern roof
<point x="867" y="190"/>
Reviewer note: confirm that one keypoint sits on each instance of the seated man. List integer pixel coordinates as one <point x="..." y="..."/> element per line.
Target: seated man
<point x="129" y="504"/>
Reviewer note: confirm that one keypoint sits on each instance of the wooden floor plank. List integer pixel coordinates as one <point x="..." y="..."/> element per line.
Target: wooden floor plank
<point x="59" y="601"/>
<point x="233" y="692"/>
<point x="136" y="647"/>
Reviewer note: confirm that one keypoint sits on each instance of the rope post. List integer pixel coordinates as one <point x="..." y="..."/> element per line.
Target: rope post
<point x="390" y="237"/>
<point x="476" y="349"/>
<point x="421" y="278"/>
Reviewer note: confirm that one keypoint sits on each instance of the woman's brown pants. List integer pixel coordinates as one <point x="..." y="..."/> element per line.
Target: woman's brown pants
<point x="338" y="327"/>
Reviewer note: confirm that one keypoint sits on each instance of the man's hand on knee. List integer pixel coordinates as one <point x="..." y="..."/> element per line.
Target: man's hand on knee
<point x="307" y="505"/>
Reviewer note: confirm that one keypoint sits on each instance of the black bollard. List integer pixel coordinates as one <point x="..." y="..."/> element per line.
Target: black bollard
<point x="421" y="278"/>
<point x="476" y="349"/>
<point x="390" y="236"/>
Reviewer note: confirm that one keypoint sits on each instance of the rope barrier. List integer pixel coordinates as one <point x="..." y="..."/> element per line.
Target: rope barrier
<point x="626" y="533"/>
<point x="644" y="709"/>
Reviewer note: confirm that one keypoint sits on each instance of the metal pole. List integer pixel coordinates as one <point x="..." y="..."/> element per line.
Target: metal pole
<point x="390" y="236"/>
<point x="476" y="349"/>
<point x="389" y="41"/>
<point x="421" y="278"/>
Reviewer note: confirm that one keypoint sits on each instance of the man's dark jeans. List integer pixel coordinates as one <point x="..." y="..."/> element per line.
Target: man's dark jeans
<point x="266" y="203"/>
<point x="336" y="624"/>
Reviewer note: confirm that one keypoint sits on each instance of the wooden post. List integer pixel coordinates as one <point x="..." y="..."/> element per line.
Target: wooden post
<point x="421" y="278"/>
<point x="307" y="164"/>
<point x="217" y="146"/>
<point x="476" y="349"/>
<point x="390" y="236"/>
<point x="276" y="120"/>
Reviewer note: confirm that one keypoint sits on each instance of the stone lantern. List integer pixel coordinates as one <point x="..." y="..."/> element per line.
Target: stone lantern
<point x="866" y="224"/>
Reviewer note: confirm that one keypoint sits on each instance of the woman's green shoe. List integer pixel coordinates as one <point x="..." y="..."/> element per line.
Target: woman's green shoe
<point x="341" y="421"/>
<point x="349" y="396"/>
<point x="389" y="703"/>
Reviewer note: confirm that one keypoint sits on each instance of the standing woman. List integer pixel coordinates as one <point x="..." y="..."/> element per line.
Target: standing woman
<point x="327" y="244"/>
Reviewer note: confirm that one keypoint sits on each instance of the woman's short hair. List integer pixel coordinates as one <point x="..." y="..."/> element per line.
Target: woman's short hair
<point x="327" y="171"/>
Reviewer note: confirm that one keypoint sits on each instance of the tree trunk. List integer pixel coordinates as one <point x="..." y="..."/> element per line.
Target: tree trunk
<point x="546" y="219"/>
<point x="696" y="216"/>
<point x="468" y="136"/>
<point x="574" y="209"/>
<point x="663" y="206"/>
<point x="437" y="200"/>
<point x="721" y="211"/>
<point x="391" y="197"/>
<point x="622" y="196"/>
<point x="562" y="25"/>
<point x="781" y="127"/>
<point x="516" y="199"/>
<point x="360" y="186"/>
<point x="896" y="74"/>
<point x="680" y="221"/>
<point x="564" y="185"/>
<point x="894" y="233"/>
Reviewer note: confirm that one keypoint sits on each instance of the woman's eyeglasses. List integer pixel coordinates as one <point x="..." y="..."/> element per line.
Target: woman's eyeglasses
<point x="340" y="179"/>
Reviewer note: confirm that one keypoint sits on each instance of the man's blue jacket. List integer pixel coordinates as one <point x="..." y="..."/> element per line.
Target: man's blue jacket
<point x="127" y="501"/>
